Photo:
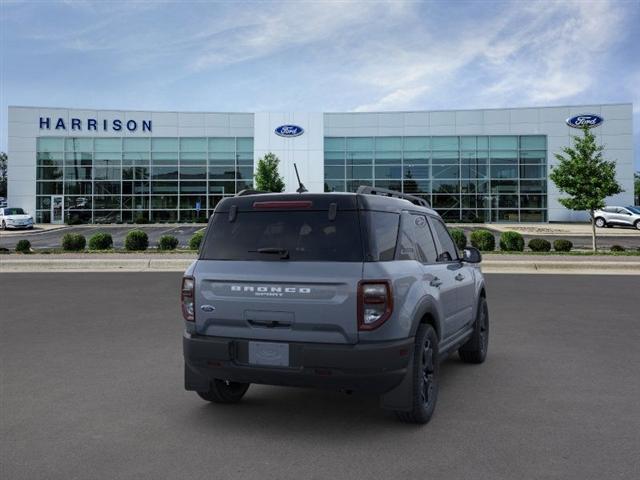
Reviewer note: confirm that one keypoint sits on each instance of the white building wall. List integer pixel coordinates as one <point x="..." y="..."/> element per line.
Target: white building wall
<point x="306" y="150"/>
<point x="615" y="133"/>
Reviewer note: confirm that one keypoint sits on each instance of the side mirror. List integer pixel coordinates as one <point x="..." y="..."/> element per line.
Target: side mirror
<point x="471" y="255"/>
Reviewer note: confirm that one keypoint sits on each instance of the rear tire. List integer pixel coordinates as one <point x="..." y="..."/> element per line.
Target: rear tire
<point x="600" y="222"/>
<point x="475" y="349"/>
<point x="222" y="391"/>
<point x="426" y="370"/>
<point x="637" y="224"/>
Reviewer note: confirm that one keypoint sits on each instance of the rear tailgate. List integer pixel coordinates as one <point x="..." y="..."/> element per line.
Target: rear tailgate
<point x="282" y="301"/>
<point x="281" y="267"/>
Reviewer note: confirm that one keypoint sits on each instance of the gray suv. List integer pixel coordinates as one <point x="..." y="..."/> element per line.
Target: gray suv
<point x="621" y="216"/>
<point x="351" y="291"/>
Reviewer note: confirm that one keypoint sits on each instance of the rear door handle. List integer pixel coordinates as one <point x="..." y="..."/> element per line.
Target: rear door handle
<point x="436" y="282"/>
<point x="459" y="277"/>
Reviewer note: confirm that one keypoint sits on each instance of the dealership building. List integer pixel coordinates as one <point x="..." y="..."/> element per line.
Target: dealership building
<point x="107" y="166"/>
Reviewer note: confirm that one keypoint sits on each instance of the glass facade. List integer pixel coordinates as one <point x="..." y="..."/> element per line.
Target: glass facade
<point x="498" y="178"/>
<point x="109" y="180"/>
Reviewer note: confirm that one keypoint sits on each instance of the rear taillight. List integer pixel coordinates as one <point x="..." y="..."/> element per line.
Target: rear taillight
<point x="375" y="303"/>
<point x="186" y="298"/>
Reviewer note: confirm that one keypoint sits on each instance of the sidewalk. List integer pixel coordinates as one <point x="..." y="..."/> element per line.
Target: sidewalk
<point x="551" y="229"/>
<point x="178" y="262"/>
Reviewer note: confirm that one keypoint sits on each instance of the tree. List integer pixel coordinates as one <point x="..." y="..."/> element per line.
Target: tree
<point x="585" y="177"/>
<point x="636" y="187"/>
<point x="3" y="174"/>
<point x="267" y="178"/>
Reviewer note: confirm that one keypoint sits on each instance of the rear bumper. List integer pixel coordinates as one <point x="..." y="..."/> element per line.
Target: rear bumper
<point x="372" y="367"/>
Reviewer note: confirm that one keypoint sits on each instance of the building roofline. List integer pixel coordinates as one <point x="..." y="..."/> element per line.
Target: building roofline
<point x="327" y="112"/>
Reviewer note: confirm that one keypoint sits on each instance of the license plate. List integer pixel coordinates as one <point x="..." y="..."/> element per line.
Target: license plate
<point x="267" y="353"/>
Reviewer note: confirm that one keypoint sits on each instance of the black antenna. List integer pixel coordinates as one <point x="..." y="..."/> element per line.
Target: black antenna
<point x="301" y="188"/>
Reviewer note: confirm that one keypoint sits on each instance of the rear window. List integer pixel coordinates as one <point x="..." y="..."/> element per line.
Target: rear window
<point x="304" y="236"/>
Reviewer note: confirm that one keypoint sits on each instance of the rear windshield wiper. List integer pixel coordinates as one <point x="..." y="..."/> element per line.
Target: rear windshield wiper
<point x="283" y="252"/>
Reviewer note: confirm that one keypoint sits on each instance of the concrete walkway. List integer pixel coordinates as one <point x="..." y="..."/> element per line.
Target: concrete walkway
<point x="178" y="262"/>
<point x="552" y="229"/>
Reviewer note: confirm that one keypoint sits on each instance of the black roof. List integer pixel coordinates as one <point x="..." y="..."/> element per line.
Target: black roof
<point x="321" y="201"/>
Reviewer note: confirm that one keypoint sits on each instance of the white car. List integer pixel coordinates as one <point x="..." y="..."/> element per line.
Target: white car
<point x="621" y="216"/>
<point x="15" y="218"/>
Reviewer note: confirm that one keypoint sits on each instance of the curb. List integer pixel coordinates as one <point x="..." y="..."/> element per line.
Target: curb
<point x="555" y="267"/>
<point x="29" y="265"/>
<point x="96" y="265"/>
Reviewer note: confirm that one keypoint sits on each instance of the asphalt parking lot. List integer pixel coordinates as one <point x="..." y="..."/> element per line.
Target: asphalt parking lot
<point x="92" y="389"/>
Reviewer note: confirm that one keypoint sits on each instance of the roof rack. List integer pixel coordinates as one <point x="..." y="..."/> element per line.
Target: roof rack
<point x="248" y="191"/>
<point x="366" y="189"/>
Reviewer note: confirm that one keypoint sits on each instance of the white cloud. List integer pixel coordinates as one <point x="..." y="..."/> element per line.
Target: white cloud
<point x="528" y="54"/>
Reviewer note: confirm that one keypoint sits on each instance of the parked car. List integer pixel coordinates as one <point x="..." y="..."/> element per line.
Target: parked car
<point x="621" y="216"/>
<point x="3" y="202"/>
<point x="352" y="291"/>
<point x="15" y="218"/>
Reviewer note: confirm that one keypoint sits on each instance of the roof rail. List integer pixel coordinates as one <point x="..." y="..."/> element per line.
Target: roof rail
<point x="366" y="189"/>
<point x="248" y="191"/>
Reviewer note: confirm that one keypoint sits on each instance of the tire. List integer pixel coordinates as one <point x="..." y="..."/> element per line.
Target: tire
<point x="637" y="224"/>
<point x="4" y="225"/>
<point x="222" y="391"/>
<point x="600" y="222"/>
<point x="426" y="373"/>
<point x="475" y="349"/>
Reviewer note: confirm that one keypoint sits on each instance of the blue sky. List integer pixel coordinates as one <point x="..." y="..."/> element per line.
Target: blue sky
<point x="318" y="56"/>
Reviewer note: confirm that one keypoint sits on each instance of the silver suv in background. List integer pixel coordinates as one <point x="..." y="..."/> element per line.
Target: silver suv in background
<point x="620" y="216"/>
<point x="351" y="291"/>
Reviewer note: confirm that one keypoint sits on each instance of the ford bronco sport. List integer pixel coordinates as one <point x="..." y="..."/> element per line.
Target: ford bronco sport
<point x="357" y="291"/>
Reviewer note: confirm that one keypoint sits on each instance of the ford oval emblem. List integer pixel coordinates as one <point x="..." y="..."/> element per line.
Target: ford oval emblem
<point x="289" y="131"/>
<point x="587" y="120"/>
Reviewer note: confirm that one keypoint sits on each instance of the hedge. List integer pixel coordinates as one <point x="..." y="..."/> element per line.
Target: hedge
<point x="483" y="240"/>
<point x="23" y="246"/>
<point x="539" y="245"/>
<point x="73" y="242"/>
<point x="196" y="240"/>
<point x="459" y="237"/>
<point x="562" y="245"/>
<point x="511" y="242"/>
<point x="101" y="241"/>
<point x="136" y="240"/>
<point x="167" y="242"/>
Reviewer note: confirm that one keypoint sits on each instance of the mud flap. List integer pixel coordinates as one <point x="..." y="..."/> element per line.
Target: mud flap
<point x="401" y="397"/>
<point x="193" y="381"/>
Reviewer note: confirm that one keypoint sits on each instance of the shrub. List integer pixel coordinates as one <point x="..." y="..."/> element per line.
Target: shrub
<point x="136" y="240"/>
<point x="141" y="220"/>
<point x="196" y="240"/>
<point x="459" y="237"/>
<point x="617" y="248"/>
<point x="483" y="240"/>
<point x="539" y="245"/>
<point x="167" y="242"/>
<point x="511" y="242"/>
<point x="101" y="241"/>
<point x="23" y="246"/>
<point x="73" y="242"/>
<point x="562" y="245"/>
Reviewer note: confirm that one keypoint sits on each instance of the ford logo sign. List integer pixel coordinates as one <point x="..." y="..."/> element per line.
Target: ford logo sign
<point x="289" y="131"/>
<point x="587" y="120"/>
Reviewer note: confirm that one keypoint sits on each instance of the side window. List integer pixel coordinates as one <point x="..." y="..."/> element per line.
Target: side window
<point x="449" y="251"/>
<point x="424" y="239"/>
<point x="383" y="234"/>
<point x="406" y="243"/>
